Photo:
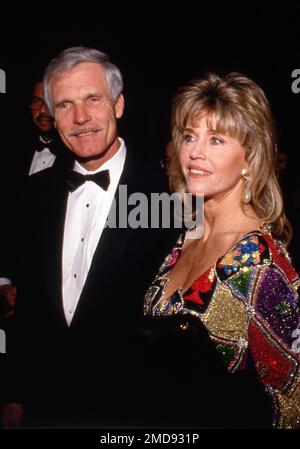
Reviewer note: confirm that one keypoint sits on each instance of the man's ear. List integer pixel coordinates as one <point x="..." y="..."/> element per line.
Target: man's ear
<point x="119" y="106"/>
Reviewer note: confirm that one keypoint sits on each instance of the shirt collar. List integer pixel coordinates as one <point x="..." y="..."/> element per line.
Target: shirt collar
<point x="114" y="165"/>
<point x="45" y="142"/>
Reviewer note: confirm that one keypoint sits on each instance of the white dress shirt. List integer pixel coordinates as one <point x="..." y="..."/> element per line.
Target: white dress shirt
<point x="87" y="211"/>
<point x="42" y="159"/>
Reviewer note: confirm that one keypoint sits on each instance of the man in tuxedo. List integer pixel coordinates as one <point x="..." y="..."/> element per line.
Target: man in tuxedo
<point x="43" y="149"/>
<point x="46" y="143"/>
<point x="80" y="283"/>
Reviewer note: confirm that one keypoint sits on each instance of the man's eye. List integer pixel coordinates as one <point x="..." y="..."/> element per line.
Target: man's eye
<point x="94" y="99"/>
<point x="36" y="103"/>
<point x="63" y="105"/>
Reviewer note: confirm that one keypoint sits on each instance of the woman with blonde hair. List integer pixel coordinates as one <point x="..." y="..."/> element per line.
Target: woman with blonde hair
<point x="237" y="278"/>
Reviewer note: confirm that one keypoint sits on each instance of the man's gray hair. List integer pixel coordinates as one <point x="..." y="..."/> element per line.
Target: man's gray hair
<point x="72" y="56"/>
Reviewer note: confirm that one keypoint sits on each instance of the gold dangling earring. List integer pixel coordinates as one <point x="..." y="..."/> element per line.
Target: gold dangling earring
<point x="247" y="190"/>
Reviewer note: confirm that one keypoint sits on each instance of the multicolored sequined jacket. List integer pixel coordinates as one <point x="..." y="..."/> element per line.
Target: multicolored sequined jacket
<point x="248" y="301"/>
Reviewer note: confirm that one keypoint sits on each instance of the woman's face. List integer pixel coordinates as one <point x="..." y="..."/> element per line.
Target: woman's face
<point x="211" y="162"/>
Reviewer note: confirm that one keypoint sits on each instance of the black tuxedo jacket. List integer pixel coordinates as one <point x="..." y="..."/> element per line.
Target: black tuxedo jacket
<point x="94" y="358"/>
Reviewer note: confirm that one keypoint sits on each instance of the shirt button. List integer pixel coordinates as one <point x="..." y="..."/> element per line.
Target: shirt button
<point x="75" y="275"/>
<point x="87" y="205"/>
<point x="70" y="311"/>
<point x="82" y="239"/>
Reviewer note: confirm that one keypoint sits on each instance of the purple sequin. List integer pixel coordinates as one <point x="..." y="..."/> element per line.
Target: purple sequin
<point x="276" y="304"/>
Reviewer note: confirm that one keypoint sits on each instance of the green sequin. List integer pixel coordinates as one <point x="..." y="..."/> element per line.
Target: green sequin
<point x="242" y="283"/>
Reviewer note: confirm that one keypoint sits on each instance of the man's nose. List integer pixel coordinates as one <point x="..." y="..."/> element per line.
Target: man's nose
<point x="81" y="115"/>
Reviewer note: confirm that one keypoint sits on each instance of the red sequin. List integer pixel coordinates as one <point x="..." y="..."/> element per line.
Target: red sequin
<point x="273" y="367"/>
<point x="200" y="285"/>
<point x="281" y="260"/>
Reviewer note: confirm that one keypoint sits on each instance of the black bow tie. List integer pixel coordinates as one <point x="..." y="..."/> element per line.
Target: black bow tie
<point x="42" y="145"/>
<point x="75" y="179"/>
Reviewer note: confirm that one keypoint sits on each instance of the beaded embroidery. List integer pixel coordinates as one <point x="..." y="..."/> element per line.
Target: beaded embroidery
<point x="248" y="303"/>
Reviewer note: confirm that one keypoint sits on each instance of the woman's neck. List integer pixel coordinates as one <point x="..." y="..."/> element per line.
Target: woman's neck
<point x="227" y="216"/>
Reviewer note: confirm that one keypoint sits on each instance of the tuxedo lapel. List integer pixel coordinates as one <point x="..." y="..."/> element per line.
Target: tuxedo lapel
<point x="115" y="240"/>
<point x="54" y="212"/>
<point x="56" y="250"/>
<point x="112" y="244"/>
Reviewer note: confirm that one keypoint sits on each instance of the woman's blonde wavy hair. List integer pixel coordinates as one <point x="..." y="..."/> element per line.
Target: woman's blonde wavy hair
<point x="240" y="109"/>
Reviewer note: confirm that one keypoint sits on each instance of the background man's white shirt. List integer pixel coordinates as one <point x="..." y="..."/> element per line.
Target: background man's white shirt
<point x="41" y="159"/>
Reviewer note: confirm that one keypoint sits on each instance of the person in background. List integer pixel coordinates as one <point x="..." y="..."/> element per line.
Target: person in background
<point x="47" y="144"/>
<point x="41" y="151"/>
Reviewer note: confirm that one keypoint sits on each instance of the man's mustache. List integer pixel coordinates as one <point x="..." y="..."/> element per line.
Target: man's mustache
<point x="77" y="132"/>
<point x="44" y="116"/>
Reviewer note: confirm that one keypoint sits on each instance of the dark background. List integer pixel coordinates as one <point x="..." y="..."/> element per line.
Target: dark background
<point x="158" y="47"/>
